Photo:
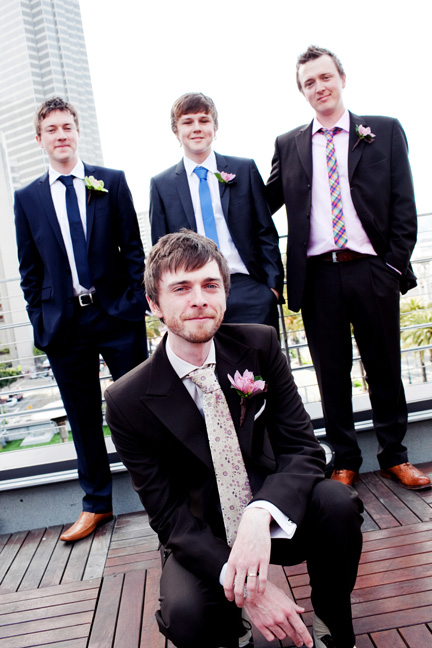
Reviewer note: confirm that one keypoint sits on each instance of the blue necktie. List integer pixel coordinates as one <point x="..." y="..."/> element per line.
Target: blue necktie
<point x="206" y="205"/>
<point x="77" y="232"/>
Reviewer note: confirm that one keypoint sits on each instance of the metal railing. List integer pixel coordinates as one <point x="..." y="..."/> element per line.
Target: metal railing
<point x="31" y="408"/>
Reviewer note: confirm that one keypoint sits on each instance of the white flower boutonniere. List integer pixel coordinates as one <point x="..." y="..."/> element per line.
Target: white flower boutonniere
<point x="364" y="133"/>
<point x="247" y="386"/>
<point x="225" y="178"/>
<point x="94" y="185"/>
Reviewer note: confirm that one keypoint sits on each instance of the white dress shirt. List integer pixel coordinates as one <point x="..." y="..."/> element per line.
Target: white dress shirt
<point x="58" y="194"/>
<point x="226" y="244"/>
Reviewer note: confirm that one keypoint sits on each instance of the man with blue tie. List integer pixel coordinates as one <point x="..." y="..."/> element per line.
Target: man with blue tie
<point x="81" y="262"/>
<point x="346" y="184"/>
<point x="222" y="198"/>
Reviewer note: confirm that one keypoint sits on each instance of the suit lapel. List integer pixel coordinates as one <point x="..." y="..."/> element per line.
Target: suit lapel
<point x="304" y="149"/>
<point x="354" y="154"/>
<point x="224" y="190"/>
<point x="49" y="210"/>
<point x="184" y="194"/>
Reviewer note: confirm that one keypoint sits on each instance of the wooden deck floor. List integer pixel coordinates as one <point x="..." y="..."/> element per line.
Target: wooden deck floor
<point x="102" y="592"/>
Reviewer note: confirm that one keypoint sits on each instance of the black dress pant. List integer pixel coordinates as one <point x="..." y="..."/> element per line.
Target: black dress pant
<point x="195" y="613"/>
<point x="363" y="293"/>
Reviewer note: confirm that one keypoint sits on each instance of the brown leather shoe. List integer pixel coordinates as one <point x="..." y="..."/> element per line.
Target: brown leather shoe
<point x="408" y="476"/>
<point x="348" y="477"/>
<point x="86" y="524"/>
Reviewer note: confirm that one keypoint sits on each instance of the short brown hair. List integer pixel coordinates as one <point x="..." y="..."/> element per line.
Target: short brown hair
<point x="191" y="103"/>
<point x="313" y="52"/>
<point x="49" y="106"/>
<point x="185" y="250"/>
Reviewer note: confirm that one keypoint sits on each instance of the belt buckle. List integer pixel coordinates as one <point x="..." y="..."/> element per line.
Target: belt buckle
<point x="334" y="257"/>
<point x="85" y="299"/>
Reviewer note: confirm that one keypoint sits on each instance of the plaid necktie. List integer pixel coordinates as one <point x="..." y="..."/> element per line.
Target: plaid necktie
<point x="206" y="205"/>
<point x="231" y="476"/>
<point x="77" y="232"/>
<point x="339" y="231"/>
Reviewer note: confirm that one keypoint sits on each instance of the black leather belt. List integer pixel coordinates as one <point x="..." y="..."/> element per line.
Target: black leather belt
<point x="339" y="256"/>
<point x="87" y="299"/>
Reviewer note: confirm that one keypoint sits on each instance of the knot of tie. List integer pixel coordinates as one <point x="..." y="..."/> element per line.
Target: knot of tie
<point x="201" y="172"/>
<point x="205" y="378"/>
<point x="329" y="132"/>
<point x="66" y="180"/>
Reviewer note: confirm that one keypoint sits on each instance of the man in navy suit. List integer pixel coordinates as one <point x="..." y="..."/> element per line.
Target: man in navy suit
<point x="349" y="271"/>
<point x="84" y="298"/>
<point x="242" y="225"/>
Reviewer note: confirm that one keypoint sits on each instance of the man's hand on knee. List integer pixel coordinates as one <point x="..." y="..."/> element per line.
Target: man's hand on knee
<point x="249" y="559"/>
<point x="277" y="616"/>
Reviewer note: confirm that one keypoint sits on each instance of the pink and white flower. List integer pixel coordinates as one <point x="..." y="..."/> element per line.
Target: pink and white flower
<point x="224" y="177"/>
<point x="247" y="386"/>
<point x="364" y="133"/>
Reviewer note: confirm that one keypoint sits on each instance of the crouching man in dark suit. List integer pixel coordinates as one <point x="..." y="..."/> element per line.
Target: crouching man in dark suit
<point x="224" y="459"/>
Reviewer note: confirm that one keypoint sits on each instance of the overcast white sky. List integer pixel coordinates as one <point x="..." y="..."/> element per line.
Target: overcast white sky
<point x="143" y="54"/>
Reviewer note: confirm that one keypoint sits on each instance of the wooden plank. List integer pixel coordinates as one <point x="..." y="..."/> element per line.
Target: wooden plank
<point x="47" y="638"/>
<point x="41" y="558"/>
<point x="396" y="531"/>
<point x="18" y="568"/>
<point x="375" y="509"/>
<point x="396" y="552"/>
<point x="397" y="619"/>
<point x="379" y="592"/>
<point x="363" y="641"/>
<point x="388" y="639"/>
<point x="56" y="567"/>
<point x="76" y="565"/>
<point x="32" y="605"/>
<point x="369" y="523"/>
<point x="9" y="552"/>
<point x="397" y="575"/>
<point x="150" y="635"/>
<point x="46" y="625"/>
<point x="105" y="618"/>
<point x="41" y="593"/>
<point x="417" y="636"/>
<point x="98" y="551"/>
<point x="411" y="499"/>
<point x="392" y="502"/>
<point x="391" y="604"/>
<point x="397" y="540"/>
<point x="134" y="566"/>
<point x="47" y="612"/>
<point x="128" y="632"/>
<point x="4" y="539"/>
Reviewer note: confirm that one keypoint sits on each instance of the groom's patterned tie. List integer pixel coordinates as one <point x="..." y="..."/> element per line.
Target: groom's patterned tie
<point x="206" y="205"/>
<point x="77" y="232"/>
<point x="339" y="231"/>
<point x="231" y="476"/>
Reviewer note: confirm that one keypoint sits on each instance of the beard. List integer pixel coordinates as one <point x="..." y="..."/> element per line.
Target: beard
<point x="201" y="333"/>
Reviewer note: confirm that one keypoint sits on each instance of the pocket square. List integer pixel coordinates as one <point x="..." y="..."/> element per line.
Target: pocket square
<point x="260" y="411"/>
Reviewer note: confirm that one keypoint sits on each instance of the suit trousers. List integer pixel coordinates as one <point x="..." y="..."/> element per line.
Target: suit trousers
<point x="363" y="293"/>
<point x="194" y="613"/>
<point x="251" y="302"/>
<point x="76" y="367"/>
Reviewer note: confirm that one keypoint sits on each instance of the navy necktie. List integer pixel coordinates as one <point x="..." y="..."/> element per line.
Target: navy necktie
<point x="206" y="205"/>
<point x="77" y="232"/>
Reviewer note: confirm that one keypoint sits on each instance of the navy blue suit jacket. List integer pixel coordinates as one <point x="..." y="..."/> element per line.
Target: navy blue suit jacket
<point x="115" y="251"/>
<point x="381" y="190"/>
<point x="244" y="207"/>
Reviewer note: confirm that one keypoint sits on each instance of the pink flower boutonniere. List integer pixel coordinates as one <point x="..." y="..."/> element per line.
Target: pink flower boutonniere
<point x="364" y="133"/>
<point x="225" y="178"/>
<point x="247" y="386"/>
<point x="94" y="185"/>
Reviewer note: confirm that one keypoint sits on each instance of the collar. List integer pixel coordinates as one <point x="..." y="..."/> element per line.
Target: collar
<point x="209" y="164"/>
<point x="182" y="367"/>
<point x="343" y="122"/>
<point x="77" y="172"/>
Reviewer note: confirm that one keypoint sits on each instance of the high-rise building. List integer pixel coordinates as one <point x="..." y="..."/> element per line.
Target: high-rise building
<point x="43" y="54"/>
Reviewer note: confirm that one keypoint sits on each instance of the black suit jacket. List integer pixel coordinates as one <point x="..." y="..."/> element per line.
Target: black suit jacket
<point x="116" y="256"/>
<point x="245" y="209"/>
<point x="381" y="189"/>
<point x="161" y="438"/>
